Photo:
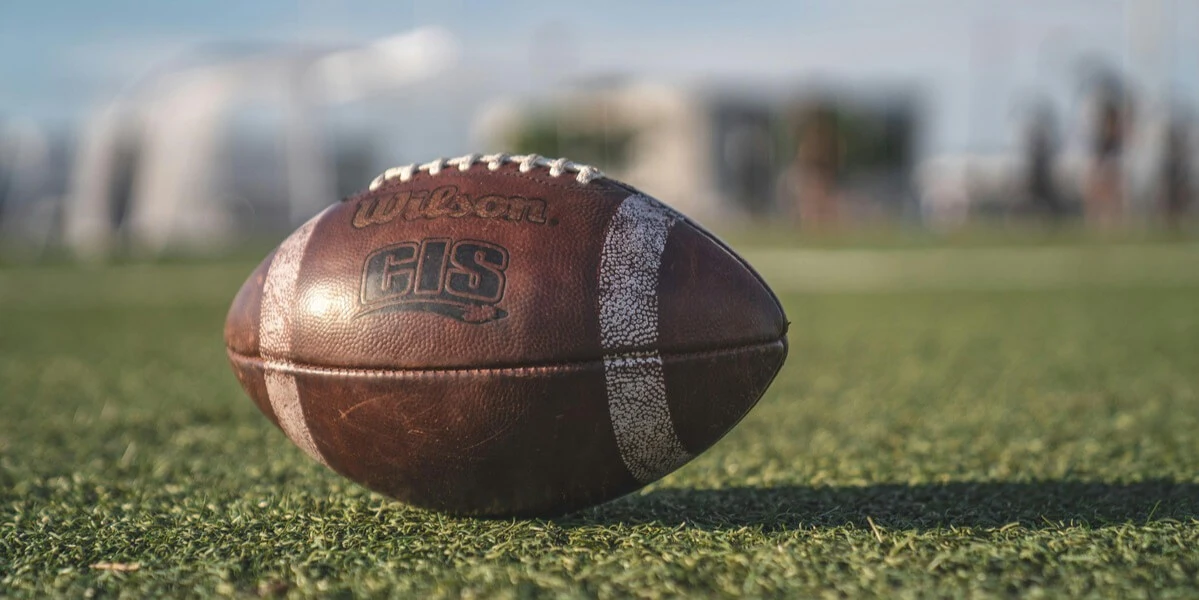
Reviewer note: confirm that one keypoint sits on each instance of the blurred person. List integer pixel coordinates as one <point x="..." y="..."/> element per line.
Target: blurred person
<point x="1103" y="198"/>
<point x="1177" y="187"/>
<point x="810" y="186"/>
<point x="5" y="176"/>
<point x="749" y="160"/>
<point x="1042" y="150"/>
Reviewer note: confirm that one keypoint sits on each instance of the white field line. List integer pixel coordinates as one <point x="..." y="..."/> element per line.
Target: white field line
<point x="801" y="270"/>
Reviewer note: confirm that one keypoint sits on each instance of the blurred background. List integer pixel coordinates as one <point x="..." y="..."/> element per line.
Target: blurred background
<point x="981" y="216"/>
<point x="191" y="127"/>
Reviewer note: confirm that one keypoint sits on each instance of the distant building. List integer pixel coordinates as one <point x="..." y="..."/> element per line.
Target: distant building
<point x="717" y="153"/>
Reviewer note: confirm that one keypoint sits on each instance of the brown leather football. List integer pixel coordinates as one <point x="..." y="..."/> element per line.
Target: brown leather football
<point x="504" y="335"/>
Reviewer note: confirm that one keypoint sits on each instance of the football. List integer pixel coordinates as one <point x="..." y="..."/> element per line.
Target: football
<point x="504" y="336"/>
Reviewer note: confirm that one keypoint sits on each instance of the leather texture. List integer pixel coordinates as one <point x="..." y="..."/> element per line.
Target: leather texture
<point x="444" y="339"/>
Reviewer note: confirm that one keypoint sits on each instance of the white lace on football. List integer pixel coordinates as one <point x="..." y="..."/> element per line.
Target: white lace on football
<point x="558" y="166"/>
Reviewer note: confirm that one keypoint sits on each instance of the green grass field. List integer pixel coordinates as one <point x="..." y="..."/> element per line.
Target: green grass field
<point x="1010" y="420"/>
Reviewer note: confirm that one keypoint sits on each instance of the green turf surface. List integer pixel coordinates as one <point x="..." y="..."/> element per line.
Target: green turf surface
<point x="938" y="437"/>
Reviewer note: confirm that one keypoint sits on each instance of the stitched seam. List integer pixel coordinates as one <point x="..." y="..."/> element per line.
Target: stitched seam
<point x="589" y="188"/>
<point x="585" y="174"/>
<point x="294" y="367"/>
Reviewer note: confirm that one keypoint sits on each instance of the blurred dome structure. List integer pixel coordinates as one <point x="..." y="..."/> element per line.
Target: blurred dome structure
<point x="154" y="169"/>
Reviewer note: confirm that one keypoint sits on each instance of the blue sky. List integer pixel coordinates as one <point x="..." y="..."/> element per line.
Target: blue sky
<point x="977" y="60"/>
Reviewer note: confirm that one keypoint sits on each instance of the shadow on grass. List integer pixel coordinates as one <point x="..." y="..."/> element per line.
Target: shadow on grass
<point x="1035" y="505"/>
